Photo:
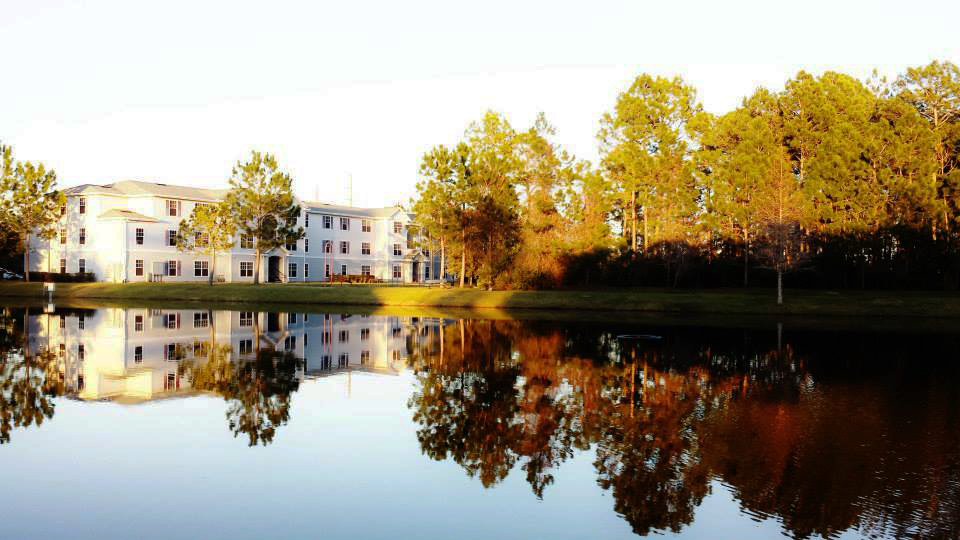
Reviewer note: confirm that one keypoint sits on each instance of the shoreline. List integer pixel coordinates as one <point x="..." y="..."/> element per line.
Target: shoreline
<point x="809" y="303"/>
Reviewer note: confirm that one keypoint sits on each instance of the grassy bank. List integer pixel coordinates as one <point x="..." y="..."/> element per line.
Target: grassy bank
<point x="714" y="301"/>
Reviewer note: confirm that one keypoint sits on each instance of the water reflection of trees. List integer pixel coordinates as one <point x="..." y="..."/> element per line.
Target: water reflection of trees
<point x="29" y="380"/>
<point x="823" y="442"/>
<point x="257" y="389"/>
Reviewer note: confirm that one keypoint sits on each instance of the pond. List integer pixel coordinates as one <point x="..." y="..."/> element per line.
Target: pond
<point x="201" y="423"/>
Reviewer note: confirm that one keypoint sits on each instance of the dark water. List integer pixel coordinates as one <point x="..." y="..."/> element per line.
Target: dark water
<point x="144" y="423"/>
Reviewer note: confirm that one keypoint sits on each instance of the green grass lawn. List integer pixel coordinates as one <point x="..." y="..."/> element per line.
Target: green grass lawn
<point x="682" y="301"/>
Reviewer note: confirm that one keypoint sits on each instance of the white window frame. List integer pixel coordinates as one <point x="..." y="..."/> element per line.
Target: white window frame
<point x="201" y="268"/>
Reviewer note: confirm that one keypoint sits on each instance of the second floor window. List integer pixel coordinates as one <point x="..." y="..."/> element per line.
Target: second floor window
<point x="344" y="224"/>
<point x="83" y="205"/>
<point x="365" y="225"/>
<point x="397" y="227"/>
<point x="344" y="247"/>
<point x="365" y="248"/>
<point x="63" y="236"/>
<point x="83" y="236"/>
<point x="306" y="221"/>
<point x="396" y="250"/>
<point x="246" y="241"/>
<point x="306" y="245"/>
<point x="328" y="246"/>
<point x="292" y="246"/>
<point x="171" y="237"/>
<point x="139" y="237"/>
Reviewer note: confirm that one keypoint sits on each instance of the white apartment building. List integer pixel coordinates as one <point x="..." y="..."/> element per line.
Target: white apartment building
<point x="133" y="355"/>
<point x="125" y="232"/>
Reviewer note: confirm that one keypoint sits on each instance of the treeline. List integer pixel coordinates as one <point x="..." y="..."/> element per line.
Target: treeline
<point x="841" y="182"/>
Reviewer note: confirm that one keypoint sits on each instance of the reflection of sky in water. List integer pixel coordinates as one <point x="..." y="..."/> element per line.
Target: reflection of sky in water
<point x="342" y="468"/>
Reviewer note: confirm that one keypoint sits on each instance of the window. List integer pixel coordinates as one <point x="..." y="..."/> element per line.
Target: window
<point x="306" y="245"/>
<point x="343" y="269"/>
<point x="397" y="227"/>
<point x="325" y="337"/>
<point x="201" y="268"/>
<point x="246" y="268"/>
<point x="289" y="343"/>
<point x="173" y="208"/>
<point x="63" y="236"/>
<point x="396" y="355"/>
<point x="327" y="246"/>
<point x="325" y="362"/>
<point x="396" y="272"/>
<point x="292" y="270"/>
<point x="171" y="321"/>
<point x="426" y="272"/>
<point x="292" y="246"/>
<point x="63" y="266"/>
<point x="364" y="334"/>
<point x="82" y="265"/>
<point x="327" y="222"/>
<point x="344" y="336"/>
<point x="343" y="360"/>
<point x="344" y="224"/>
<point x="138" y="267"/>
<point x="305" y="336"/>
<point x="201" y="319"/>
<point x="246" y="346"/>
<point x="426" y="253"/>
<point x="326" y="270"/>
<point x="138" y="323"/>
<point x="246" y="318"/>
<point x="171" y="382"/>
<point x="173" y="268"/>
<point x="291" y="318"/>
<point x="63" y="321"/>
<point x="365" y="225"/>
<point x="139" y="235"/>
<point x="171" y="237"/>
<point x="81" y="322"/>
<point x="396" y="250"/>
<point x="396" y="331"/>
<point x="138" y="354"/>
<point x="83" y="205"/>
<point x="344" y="247"/>
<point x="246" y="241"/>
<point x="365" y="270"/>
<point x="306" y="221"/>
<point x="63" y="210"/>
<point x="365" y="248"/>
<point x="364" y="358"/>
<point x="306" y="270"/>
<point x="80" y="383"/>
<point x="83" y="236"/>
<point x="81" y="352"/>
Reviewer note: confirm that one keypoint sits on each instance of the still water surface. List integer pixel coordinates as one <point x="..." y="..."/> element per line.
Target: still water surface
<point x="145" y="423"/>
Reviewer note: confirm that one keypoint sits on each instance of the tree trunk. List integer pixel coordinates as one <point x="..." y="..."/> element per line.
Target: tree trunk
<point x="463" y="259"/>
<point x="256" y="261"/>
<point x="26" y="258"/>
<point x="633" y="221"/>
<point x="779" y="286"/>
<point x="746" y="258"/>
<point x="213" y="266"/>
<point x="443" y="259"/>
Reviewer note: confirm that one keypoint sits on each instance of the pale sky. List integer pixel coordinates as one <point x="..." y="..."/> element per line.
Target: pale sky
<point x="178" y="91"/>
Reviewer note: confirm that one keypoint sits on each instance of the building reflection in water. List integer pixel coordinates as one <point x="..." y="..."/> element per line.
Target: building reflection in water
<point x="823" y="431"/>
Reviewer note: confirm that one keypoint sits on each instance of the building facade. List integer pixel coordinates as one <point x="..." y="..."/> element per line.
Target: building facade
<point x="126" y="232"/>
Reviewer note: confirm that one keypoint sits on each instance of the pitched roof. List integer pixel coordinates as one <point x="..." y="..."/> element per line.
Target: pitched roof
<point x="351" y="210"/>
<point x="129" y="215"/>
<point x="133" y="188"/>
